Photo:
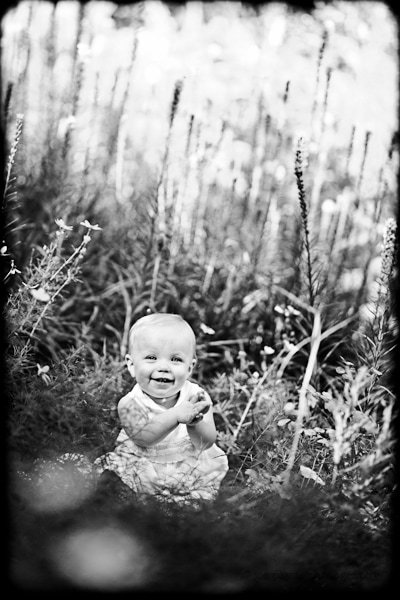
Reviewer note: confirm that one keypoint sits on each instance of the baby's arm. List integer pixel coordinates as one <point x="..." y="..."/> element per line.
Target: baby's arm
<point x="146" y="432"/>
<point x="142" y="430"/>
<point x="202" y="429"/>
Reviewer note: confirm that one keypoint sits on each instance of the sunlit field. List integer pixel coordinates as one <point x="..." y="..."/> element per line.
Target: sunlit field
<point x="236" y="164"/>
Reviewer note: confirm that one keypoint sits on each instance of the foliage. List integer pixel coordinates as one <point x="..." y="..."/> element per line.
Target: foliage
<point x="274" y="238"/>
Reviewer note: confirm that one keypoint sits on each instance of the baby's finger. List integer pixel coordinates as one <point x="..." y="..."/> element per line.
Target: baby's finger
<point x="203" y="405"/>
<point x="197" y="418"/>
<point x="204" y="409"/>
<point x="196" y="398"/>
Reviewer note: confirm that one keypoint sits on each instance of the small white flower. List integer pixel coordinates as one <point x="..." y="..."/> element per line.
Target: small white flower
<point x="13" y="269"/>
<point x="86" y="238"/>
<point x="62" y="225"/>
<point x="289" y="408"/>
<point x="3" y="250"/>
<point x="310" y="474"/>
<point x="288" y="346"/>
<point x="292" y="311"/>
<point x="42" y="372"/>
<point x="206" y="329"/>
<point x="86" y="223"/>
<point x="40" y="294"/>
<point x="279" y="309"/>
<point x="268" y="350"/>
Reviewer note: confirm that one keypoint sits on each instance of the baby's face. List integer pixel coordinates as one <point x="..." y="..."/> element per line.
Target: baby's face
<point x="161" y="359"/>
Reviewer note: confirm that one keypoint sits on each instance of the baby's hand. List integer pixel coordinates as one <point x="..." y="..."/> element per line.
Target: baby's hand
<point x="192" y="410"/>
<point x="200" y="397"/>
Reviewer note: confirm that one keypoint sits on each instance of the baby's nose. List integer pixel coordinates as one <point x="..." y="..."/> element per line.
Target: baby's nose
<point x="162" y="366"/>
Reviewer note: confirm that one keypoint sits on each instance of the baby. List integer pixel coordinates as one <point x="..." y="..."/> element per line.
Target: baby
<point x="167" y="444"/>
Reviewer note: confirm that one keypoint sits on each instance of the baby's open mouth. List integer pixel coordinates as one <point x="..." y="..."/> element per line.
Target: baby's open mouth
<point x="162" y="380"/>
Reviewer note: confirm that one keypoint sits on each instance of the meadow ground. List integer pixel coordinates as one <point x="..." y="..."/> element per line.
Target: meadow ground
<point x="314" y="541"/>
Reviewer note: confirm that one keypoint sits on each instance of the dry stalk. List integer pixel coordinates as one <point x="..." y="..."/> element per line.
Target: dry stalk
<point x="53" y="297"/>
<point x="128" y="315"/>
<point x="350" y="149"/>
<point x="11" y="157"/>
<point x="307" y="340"/>
<point x="303" y="406"/>
<point x="362" y="168"/>
<point x="156" y="268"/>
<point x="249" y="404"/>
<point x="317" y="78"/>
<point x="7" y="100"/>
<point x="209" y="273"/>
<point x="304" y="217"/>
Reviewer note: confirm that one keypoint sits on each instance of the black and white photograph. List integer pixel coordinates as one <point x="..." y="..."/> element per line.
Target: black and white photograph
<point x="199" y="270"/>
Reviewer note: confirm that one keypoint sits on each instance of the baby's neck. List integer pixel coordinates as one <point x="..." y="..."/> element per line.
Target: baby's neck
<point x="169" y="401"/>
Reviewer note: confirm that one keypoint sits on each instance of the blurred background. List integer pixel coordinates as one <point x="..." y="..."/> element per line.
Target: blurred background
<point x="182" y="120"/>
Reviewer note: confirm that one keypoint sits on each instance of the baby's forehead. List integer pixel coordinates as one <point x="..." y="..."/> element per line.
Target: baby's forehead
<point x="176" y="333"/>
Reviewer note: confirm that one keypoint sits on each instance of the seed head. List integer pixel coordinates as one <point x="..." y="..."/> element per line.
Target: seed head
<point x="175" y="101"/>
<point x="389" y="248"/>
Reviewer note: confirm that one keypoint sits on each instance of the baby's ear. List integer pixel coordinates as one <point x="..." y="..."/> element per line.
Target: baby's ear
<point x="192" y="364"/>
<point x="130" y="365"/>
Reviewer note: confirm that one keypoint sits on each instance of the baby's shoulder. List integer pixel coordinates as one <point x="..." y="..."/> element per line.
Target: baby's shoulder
<point x="132" y="397"/>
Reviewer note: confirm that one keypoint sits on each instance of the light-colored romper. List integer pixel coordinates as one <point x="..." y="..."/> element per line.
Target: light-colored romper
<point x="173" y="467"/>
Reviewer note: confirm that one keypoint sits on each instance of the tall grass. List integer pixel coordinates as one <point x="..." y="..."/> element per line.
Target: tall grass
<point x="223" y="227"/>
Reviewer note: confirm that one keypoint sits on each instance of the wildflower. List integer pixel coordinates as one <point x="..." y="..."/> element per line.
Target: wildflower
<point x="268" y="350"/>
<point x="86" y="238"/>
<point x="278" y="309"/>
<point x="175" y="101"/>
<point x="42" y="372"/>
<point x="206" y="329"/>
<point x="86" y="223"/>
<point x="40" y="294"/>
<point x="388" y="250"/>
<point x="62" y="225"/>
<point x="289" y="408"/>
<point x="310" y="474"/>
<point x="3" y="250"/>
<point x="288" y="345"/>
<point x="290" y="311"/>
<point x="13" y="269"/>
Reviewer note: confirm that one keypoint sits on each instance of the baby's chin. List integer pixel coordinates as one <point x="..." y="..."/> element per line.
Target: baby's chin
<point x="161" y="393"/>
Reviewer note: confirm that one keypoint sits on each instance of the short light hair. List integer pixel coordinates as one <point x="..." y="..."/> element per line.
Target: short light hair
<point x="160" y="319"/>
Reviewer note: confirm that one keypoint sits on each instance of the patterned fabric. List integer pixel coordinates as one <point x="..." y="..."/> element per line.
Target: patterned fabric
<point x="173" y="467"/>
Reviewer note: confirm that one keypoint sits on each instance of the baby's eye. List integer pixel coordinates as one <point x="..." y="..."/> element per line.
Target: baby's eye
<point x="150" y="357"/>
<point x="177" y="359"/>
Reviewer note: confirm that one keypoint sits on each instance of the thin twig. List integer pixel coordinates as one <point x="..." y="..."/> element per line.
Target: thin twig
<point x="250" y="402"/>
<point x="303" y="408"/>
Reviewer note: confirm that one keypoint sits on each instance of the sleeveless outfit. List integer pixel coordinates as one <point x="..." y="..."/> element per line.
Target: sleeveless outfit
<point x="172" y="468"/>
